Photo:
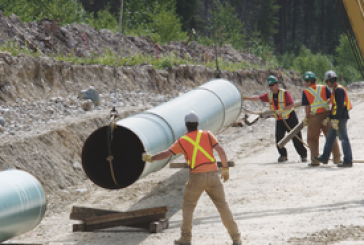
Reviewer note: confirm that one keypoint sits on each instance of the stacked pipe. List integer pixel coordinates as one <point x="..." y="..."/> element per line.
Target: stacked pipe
<point x="22" y="203"/>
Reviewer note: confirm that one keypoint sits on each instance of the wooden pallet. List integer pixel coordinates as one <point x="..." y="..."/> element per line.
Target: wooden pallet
<point x="184" y="165"/>
<point x="152" y="219"/>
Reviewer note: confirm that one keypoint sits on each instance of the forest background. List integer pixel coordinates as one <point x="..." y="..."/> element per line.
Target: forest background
<point x="302" y="35"/>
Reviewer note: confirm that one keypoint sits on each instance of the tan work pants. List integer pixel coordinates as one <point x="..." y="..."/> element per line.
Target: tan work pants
<point x="209" y="182"/>
<point x="313" y="135"/>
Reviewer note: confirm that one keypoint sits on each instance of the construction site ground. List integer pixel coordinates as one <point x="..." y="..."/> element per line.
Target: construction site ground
<point x="273" y="203"/>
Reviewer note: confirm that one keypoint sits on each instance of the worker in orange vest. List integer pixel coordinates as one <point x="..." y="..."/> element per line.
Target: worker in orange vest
<point x="341" y="105"/>
<point x="282" y="104"/>
<point x="197" y="147"/>
<point x="315" y="98"/>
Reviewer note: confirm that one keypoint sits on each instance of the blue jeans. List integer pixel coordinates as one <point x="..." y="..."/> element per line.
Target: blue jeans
<point x="345" y="143"/>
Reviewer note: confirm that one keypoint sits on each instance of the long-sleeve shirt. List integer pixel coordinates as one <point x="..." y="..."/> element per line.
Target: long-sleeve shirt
<point x="341" y="111"/>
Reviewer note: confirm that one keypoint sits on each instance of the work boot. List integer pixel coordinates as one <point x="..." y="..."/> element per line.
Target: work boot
<point x="236" y="239"/>
<point x="321" y="159"/>
<point x="282" y="159"/>
<point x="345" y="165"/>
<point x="185" y="239"/>
<point x="237" y="242"/>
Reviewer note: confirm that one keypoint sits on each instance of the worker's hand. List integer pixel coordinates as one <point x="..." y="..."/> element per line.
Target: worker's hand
<point x="326" y="121"/>
<point x="146" y="157"/>
<point x="305" y="122"/>
<point x="335" y="124"/>
<point x="225" y="174"/>
<point x="279" y="112"/>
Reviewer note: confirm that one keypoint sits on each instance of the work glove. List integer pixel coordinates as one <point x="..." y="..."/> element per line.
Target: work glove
<point x="335" y="124"/>
<point x="326" y="121"/>
<point x="305" y="122"/>
<point x="279" y="112"/>
<point x="225" y="174"/>
<point x="146" y="157"/>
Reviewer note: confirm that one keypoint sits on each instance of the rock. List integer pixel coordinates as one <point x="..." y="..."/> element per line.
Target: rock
<point x="90" y="94"/>
<point x="87" y="105"/>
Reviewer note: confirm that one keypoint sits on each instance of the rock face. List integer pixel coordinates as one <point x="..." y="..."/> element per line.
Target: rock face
<point x="70" y="38"/>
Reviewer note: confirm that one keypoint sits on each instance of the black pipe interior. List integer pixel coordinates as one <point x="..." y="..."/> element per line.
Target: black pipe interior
<point x="126" y="148"/>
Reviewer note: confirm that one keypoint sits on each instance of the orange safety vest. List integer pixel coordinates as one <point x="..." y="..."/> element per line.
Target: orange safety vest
<point x="197" y="148"/>
<point x="347" y="102"/>
<point x="316" y="96"/>
<point x="281" y="104"/>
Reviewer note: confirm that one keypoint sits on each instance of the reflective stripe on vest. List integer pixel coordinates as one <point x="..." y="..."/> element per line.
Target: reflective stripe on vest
<point x="347" y="102"/>
<point x="318" y="102"/>
<point x="197" y="147"/>
<point x="281" y="104"/>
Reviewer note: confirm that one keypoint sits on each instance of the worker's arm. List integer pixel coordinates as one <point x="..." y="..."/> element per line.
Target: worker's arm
<point x="288" y="107"/>
<point x="253" y="98"/>
<point x="222" y="155"/>
<point x="308" y="111"/>
<point x="159" y="156"/>
<point x="162" y="155"/>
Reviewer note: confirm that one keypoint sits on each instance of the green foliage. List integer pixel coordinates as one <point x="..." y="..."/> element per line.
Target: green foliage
<point x="30" y="10"/>
<point x="164" y="24"/>
<point x="344" y="53"/>
<point x="317" y="63"/>
<point x="105" y="20"/>
<point x="268" y="21"/>
<point x="229" y="28"/>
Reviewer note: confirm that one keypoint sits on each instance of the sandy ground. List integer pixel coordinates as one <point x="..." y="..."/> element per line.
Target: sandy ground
<point x="273" y="203"/>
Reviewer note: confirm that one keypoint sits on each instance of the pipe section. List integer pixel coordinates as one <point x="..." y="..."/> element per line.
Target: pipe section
<point x="217" y="103"/>
<point x="22" y="203"/>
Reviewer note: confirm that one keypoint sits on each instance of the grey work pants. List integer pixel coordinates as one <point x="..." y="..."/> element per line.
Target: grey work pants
<point x="211" y="183"/>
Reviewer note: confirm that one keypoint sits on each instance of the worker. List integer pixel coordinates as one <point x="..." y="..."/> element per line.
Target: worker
<point x="197" y="147"/>
<point x="282" y="104"/>
<point x="315" y="98"/>
<point x="340" y="106"/>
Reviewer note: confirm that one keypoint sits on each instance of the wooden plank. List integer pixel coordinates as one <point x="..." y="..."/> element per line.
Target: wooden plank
<point x="158" y="226"/>
<point x="290" y="135"/>
<point x="251" y="119"/>
<point x="137" y="222"/>
<point x="184" y="165"/>
<point x="125" y="215"/>
<point x="78" y="227"/>
<point x="83" y="213"/>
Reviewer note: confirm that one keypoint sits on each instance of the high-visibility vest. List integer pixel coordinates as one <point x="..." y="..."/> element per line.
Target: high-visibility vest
<point x="198" y="148"/>
<point x="317" y="97"/>
<point x="281" y="104"/>
<point x="347" y="102"/>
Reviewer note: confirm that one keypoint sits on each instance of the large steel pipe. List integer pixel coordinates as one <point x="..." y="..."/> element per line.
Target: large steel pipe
<point x="218" y="103"/>
<point x="22" y="203"/>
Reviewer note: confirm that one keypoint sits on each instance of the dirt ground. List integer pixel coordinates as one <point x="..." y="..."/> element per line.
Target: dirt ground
<point x="273" y="203"/>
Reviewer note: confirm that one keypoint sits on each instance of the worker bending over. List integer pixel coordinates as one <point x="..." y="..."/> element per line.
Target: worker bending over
<point x="340" y="106"/>
<point x="197" y="147"/>
<point x="282" y="104"/>
<point x="315" y="98"/>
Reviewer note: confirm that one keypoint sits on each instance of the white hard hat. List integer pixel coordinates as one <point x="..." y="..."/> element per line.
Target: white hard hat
<point x="330" y="74"/>
<point x="191" y="117"/>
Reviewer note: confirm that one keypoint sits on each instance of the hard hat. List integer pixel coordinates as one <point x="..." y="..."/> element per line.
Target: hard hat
<point x="272" y="80"/>
<point x="191" y="117"/>
<point x="309" y="76"/>
<point x="330" y="74"/>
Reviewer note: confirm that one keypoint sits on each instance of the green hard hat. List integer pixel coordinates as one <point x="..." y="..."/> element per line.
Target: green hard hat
<point x="272" y="80"/>
<point x="309" y="76"/>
